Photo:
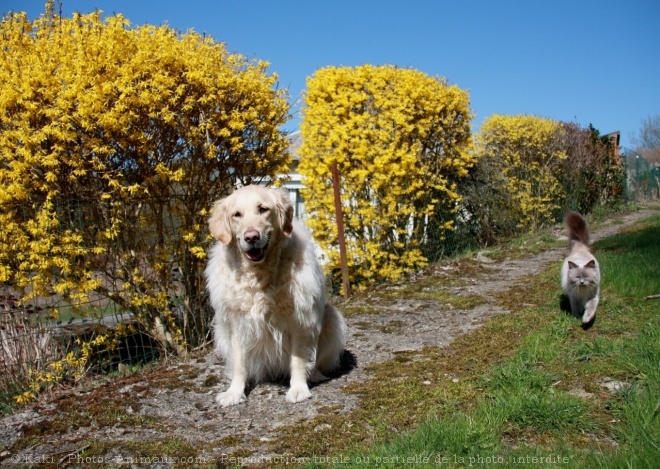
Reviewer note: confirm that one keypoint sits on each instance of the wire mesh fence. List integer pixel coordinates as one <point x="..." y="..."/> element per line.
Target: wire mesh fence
<point x="642" y="178"/>
<point x="114" y="300"/>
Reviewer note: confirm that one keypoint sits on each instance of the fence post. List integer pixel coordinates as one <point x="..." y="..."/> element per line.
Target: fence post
<point x="340" y="232"/>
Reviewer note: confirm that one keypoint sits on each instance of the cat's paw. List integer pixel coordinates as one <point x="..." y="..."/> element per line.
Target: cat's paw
<point x="588" y="316"/>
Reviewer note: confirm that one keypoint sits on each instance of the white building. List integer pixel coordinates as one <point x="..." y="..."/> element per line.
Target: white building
<point x="294" y="179"/>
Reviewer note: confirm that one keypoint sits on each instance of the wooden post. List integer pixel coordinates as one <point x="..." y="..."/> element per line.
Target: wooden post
<point x="340" y="232"/>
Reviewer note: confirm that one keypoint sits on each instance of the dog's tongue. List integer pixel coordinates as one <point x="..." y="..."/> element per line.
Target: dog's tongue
<point x="255" y="254"/>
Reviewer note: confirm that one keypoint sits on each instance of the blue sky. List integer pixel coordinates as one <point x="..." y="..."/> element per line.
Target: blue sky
<point x="589" y="62"/>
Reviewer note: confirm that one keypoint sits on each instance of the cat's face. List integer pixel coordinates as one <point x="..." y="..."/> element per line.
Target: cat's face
<point x="586" y="275"/>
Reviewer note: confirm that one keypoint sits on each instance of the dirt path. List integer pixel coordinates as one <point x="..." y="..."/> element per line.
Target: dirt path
<point x="175" y="403"/>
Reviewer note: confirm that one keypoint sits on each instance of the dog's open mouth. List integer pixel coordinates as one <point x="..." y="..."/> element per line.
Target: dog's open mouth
<point x="256" y="254"/>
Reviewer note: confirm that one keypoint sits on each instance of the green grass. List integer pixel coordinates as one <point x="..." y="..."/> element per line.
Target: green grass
<point x="531" y="390"/>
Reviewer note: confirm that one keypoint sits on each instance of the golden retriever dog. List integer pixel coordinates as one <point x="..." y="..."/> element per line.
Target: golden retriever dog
<point x="268" y="292"/>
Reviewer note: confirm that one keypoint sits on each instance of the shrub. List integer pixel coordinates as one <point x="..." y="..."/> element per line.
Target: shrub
<point x="399" y="140"/>
<point x="592" y="174"/>
<point x="114" y="142"/>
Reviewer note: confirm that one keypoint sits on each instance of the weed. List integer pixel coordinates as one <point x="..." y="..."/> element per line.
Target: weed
<point x="211" y="381"/>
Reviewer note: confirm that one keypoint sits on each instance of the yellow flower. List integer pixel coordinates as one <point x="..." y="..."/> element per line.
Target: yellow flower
<point x="198" y="252"/>
<point x="25" y="397"/>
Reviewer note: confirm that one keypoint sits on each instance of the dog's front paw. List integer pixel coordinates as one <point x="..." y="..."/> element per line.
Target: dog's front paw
<point x="298" y="393"/>
<point x="230" y="397"/>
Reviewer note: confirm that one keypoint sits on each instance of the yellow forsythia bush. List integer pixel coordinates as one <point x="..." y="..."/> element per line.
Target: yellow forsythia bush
<point x="525" y="155"/>
<point x="399" y="139"/>
<point x="114" y="142"/>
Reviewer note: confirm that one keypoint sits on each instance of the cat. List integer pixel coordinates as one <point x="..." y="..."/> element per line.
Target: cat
<point x="580" y="273"/>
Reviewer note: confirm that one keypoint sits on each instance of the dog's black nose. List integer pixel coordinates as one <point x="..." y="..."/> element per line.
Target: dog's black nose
<point x="251" y="236"/>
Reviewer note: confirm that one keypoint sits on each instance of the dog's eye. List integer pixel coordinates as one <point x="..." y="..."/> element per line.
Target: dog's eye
<point x="237" y="215"/>
<point x="263" y="209"/>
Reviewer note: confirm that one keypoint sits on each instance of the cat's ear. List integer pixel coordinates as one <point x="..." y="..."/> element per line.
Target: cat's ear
<point x="591" y="264"/>
<point x="572" y="265"/>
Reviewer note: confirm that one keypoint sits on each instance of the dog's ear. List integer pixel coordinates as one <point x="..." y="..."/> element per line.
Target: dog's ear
<point x="219" y="222"/>
<point x="285" y="211"/>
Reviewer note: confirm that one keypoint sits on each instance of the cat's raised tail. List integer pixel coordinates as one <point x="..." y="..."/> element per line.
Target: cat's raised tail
<point x="578" y="229"/>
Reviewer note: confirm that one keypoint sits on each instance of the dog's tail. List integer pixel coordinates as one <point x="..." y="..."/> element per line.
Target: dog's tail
<point x="578" y="230"/>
